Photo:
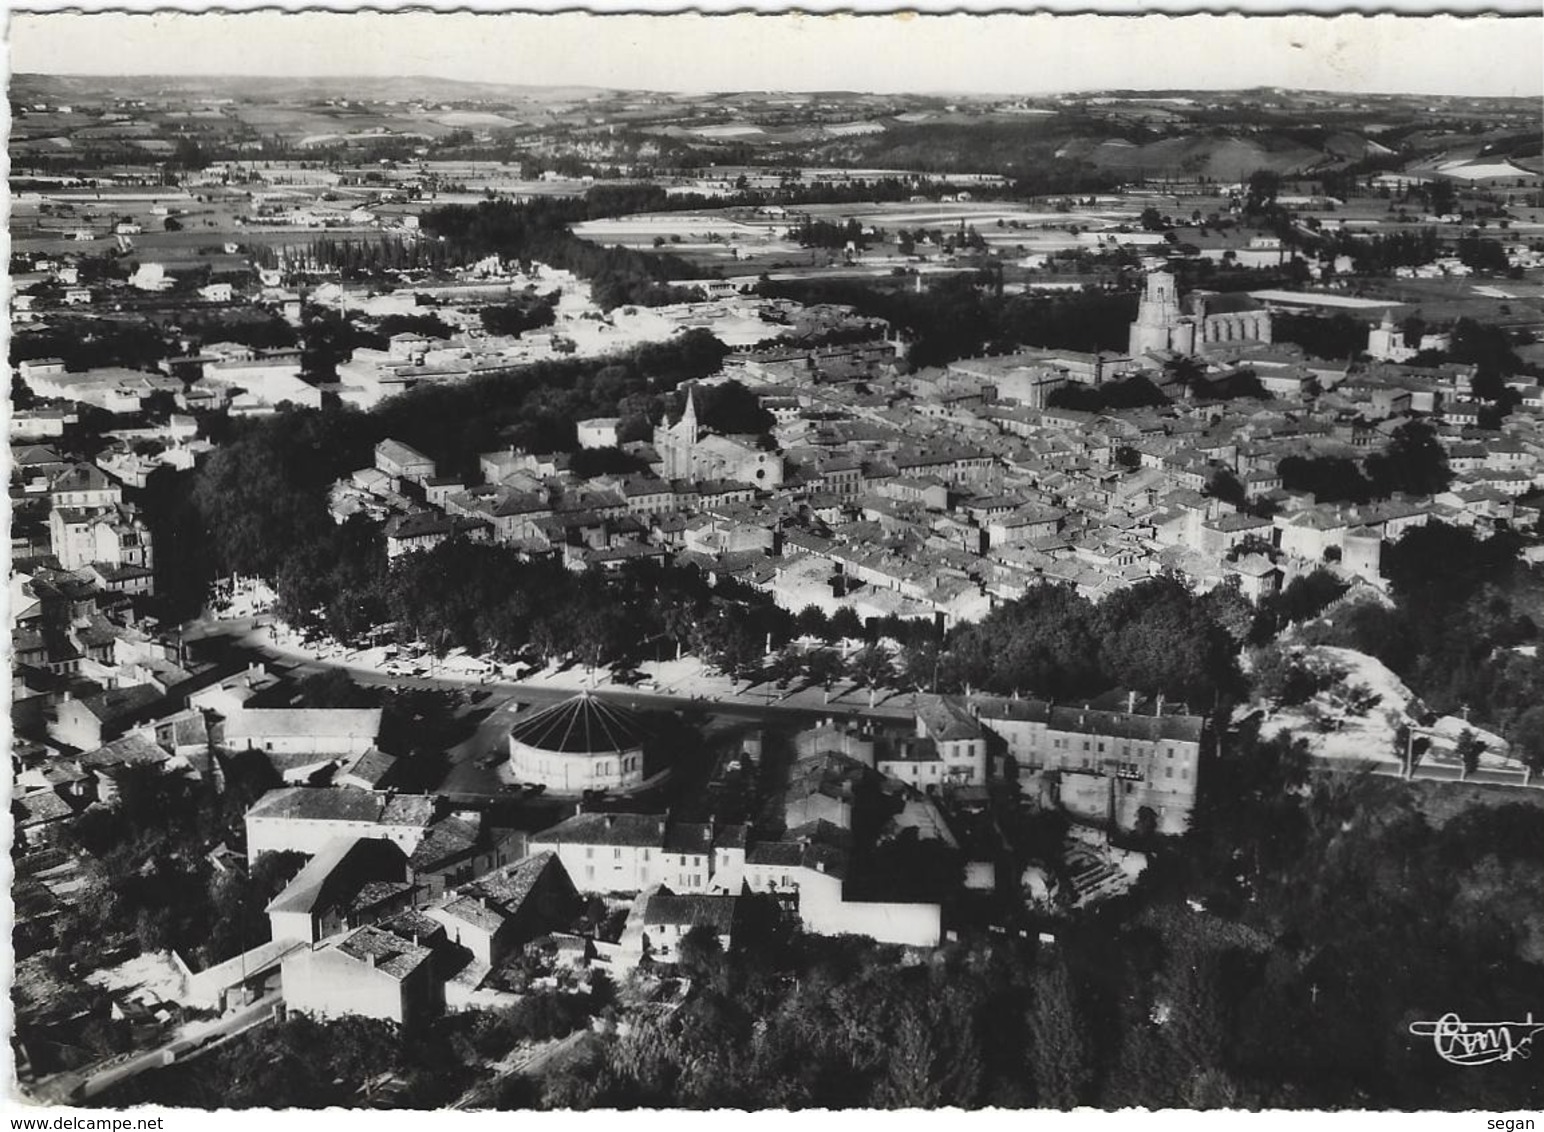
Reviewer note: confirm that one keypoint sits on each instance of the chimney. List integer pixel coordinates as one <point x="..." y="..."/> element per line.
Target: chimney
<point x="1158" y="710"/>
<point x="1131" y="702"/>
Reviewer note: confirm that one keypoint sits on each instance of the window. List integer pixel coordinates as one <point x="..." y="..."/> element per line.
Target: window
<point x="616" y="854"/>
<point x="1168" y="772"/>
<point x="1101" y="748"/>
<point x="589" y="852"/>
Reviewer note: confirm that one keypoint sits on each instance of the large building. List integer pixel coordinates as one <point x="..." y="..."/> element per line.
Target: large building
<point x="627" y="853"/>
<point x="687" y="451"/>
<point x="580" y="744"/>
<point x="304" y="819"/>
<point x="1125" y="769"/>
<point x="1164" y="325"/>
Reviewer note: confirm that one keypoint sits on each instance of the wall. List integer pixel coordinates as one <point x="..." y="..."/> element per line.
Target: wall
<point x="327" y="984"/>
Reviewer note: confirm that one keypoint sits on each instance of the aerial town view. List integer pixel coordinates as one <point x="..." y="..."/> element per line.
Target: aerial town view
<point x="625" y="577"/>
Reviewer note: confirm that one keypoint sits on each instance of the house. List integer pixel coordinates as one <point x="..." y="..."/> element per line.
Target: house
<point x="495" y="915"/>
<point x="1109" y="766"/>
<point x="372" y="769"/>
<point x="958" y="737"/>
<point x="401" y="462"/>
<point x="230" y="695"/>
<point x="460" y="847"/>
<point x="113" y="536"/>
<point x="424" y="530"/>
<point x="598" y="432"/>
<point x="90" y="721"/>
<point x="667" y="917"/>
<point x="371" y="971"/>
<point x="305" y="819"/>
<point x="328" y="732"/>
<point x="114" y="765"/>
<point x="351" y="882"/>
<point x="627" y="853"/>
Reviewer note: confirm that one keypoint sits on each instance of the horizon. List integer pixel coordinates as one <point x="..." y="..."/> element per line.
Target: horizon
<point x="1005" y="55"/>
<point x="342" y="76"/>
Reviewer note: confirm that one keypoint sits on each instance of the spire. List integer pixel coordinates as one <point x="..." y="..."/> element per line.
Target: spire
<point x="689" y="418"/>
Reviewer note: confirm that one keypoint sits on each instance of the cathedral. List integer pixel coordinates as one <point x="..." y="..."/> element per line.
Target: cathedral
<point x="687" y="451"/>
<point x="1212" y="320"/>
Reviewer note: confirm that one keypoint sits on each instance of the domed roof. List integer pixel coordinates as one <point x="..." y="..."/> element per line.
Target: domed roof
<point x="585" y="724"/>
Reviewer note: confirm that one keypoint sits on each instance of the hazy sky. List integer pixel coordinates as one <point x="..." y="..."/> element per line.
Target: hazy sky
<point x="1007" y="54"/>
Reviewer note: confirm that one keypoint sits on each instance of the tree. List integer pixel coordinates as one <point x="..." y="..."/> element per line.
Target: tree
<point x="700" y="952"/>
<point x="1414" y="461"/>
<point x="1469" y="748"/>
<point x="871" y="667"/>
<point x="811" y="622"/>
<point x="844" y="625"/>
<point x="1060" y="1049"/>
<point x="1261" y="191"/>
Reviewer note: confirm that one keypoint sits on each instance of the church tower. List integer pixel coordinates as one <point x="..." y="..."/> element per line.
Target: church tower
<point x="688" y="426"/>
<point x="1158" y="317"/>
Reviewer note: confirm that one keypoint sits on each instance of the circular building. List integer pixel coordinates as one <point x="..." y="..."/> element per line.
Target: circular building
<point x="580" y="744"/>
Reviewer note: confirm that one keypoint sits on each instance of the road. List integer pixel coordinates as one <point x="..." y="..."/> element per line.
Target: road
<point x="93" y="1080"/>
<point x="753" y="704"/>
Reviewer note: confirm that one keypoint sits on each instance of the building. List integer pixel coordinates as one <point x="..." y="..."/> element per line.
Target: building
<point x="305" y="819"/>
<point x="687" y="451"/>
<point x="400" y="462"/>
<point x="113" y="535"/>
<point x="598" y="432"/>
<point x="1110" y="766"/>
<point x="584" y="743"/>
<point x="667" y="917"/>
<point x="949" y="748"/>
<point x="326" y="732"/>
<point x="372" y="972"/>
<point x="627" y="853"/>
<point x="353" y="881"/>
<point x="502" y="911"/>
<point x="1163" y="326"/>
<point x="424" y="530"/>
<point x="87" y="722"/>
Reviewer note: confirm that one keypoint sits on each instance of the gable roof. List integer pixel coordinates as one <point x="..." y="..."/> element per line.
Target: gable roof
<point x="303" y="723"/>
<point x="716" y="912"/>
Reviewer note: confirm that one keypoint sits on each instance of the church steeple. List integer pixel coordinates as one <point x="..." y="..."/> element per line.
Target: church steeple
<point x="689" y="424"/>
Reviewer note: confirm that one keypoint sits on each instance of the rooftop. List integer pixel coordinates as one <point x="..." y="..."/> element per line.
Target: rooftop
<point x="585" y="724"/>
<point x="385" y="951"/>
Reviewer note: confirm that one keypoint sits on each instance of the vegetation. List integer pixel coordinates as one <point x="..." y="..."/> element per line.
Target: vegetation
<point x="1465" y="613"/>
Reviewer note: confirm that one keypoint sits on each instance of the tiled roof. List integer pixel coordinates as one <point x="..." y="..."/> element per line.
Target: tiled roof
<point x="716" y="912"/>
<point x="641" y="830"/>
<point x="385" y="951"/>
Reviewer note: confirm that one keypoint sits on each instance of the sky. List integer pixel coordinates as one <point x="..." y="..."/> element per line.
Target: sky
<point x="1001" y="54"/>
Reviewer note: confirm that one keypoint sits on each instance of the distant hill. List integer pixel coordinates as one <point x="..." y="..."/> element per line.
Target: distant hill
<point x="407" y="88"/>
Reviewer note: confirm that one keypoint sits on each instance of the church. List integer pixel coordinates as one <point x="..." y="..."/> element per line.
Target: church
<point x="687" y="451"/>
<point x="1206" y="320"/>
